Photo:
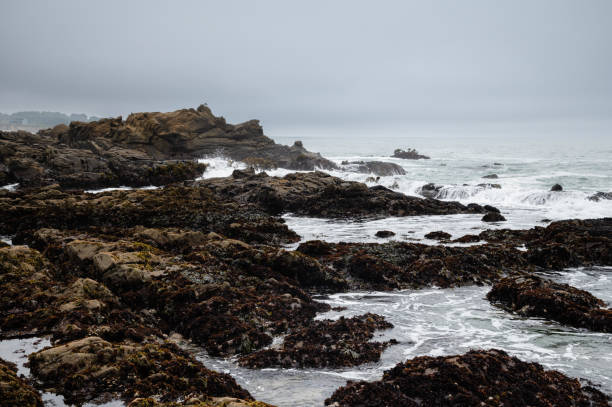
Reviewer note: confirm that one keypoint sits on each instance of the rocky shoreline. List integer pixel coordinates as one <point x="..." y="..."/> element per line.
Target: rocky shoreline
<point x="117" y="279"/>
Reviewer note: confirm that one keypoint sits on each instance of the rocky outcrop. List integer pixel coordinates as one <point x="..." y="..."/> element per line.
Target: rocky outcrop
<point x="199" y="402"/>
<point x="40" y="159"/>
<point x="321" y="195"/>
<point x="341" y="343"/>
<point x="409" y="154"/>
<point x="14" y="390"/>
<point x="188" y="134"/>
<point x="556" y="188"/>
<point x="493" y="217"/>
<point x="189" y="207"/>
<point x="144" y="149"/>
<point x="534" y="296"/>
<point x="400" y="265"/>
<point x="491" y="176"/>
<point x="379" y="168"/>
<point x="477" y="378"/>
<point x="92" y="369"/>
<point x="383" y="234"/>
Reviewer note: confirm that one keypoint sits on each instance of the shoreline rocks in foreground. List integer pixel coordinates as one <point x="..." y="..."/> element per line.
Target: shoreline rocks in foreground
<point x="16" y="391"/>
<point x="477" y="378"/>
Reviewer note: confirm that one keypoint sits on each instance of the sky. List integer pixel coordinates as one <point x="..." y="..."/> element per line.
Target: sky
<point x="312" y="63"/>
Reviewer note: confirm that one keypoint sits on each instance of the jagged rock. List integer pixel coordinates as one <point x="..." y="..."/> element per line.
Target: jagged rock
<point x="320" y="194"/>
<point x="384" y="233"/>
<point x="191" y="133"/>
<point x="477" y="378"/>
<point x="92" y="369"/>
<point x="410" y="154"/>
<point x="438" y="235"/>
<point x="379" y="168"/>
<point x="599" y="196"/>
<point x="430" y="190"/>
<point x="538" y="297"/>
<point x="40" y="159"/>
<point x="493" y="217"/>
<point x="341" y="343"/>
<point x="14" y="390"/>
<point x="491" y="176"/>
<point x="190" y="207"/>
<point x="556" y="188"/>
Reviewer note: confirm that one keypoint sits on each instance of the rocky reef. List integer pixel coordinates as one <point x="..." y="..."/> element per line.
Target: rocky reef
<point x="409" y="154"/>
<point x="141" y="150"/>
<point x="322" y="195"/>
<point x="477" y="378"/>
<point x="534" y="296"/>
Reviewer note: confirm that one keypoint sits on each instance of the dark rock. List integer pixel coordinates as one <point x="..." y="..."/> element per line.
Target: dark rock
<point x="491" y="176"/>
<point x="490" y="208"/>
<point x="556" y="188"/>
<point x="14" y="390"/>
<point x="196" y="208"/>
<point x="493" y="217"/>
<point x="599" y="196"/>
<point x="538" y="297"/>
<point x="379" y="168"/>
<point x="384" y="233"/>
<point x="410" y="154"/>
<point x="489" y="186"/>
<point x="430" y="190"/>
<point x="477" y="378"/>
<point x="438" y="235"/>
<point x="91" y="368"/>
<point x="341" y="343"/>
<point x="319" y="194"/>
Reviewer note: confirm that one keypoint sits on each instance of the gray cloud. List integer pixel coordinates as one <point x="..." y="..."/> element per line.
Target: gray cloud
<point x="311" y="63"/>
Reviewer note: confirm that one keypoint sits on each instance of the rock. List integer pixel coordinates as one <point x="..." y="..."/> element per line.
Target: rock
<point x="410" y="154"/>
<point x="491" y="176"/>
<point x="14" y="390"/>
<point x="538" y="297"/>
<point x="599" y="196"/>
<point x="430" y="190"/>
<point x="493" y="217"/>
<point x="319" y="194"/>
<point x="438" y="235"/>
<point x="378" y="168"/>
<point x="490" y="208"/>
<point x="556" y="188"/>
<point x="90" y="369"/>
<point x="196" y="208"/>
<point x="145" y="149"/>
<point x="476" y="378"/>
<point x="384" y="233"/>
<point x="341" y="343"/>
<point x="489" y="186"/>
<point x="199" y="402"/>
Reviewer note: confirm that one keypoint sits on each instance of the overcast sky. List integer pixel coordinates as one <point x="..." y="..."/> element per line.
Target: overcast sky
<point x="304" y="63"/>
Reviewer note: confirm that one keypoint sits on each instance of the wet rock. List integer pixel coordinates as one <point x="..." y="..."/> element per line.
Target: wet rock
<point x="477" y="378"/>
<point x="319" y="194"/>
<point x="438" y="235"/>
<point x="196" y="208"/>
<point x="401" y="265"/>
<point x="341" y="343"/>
<point x="409" y="154"/>
<point x="600" y="196"/>
<point x="379" y="168"/>
<point x="556" y="188"/>
<point x="91" y="369"/>
<point x="490" y="208"/>
<point x="491" y="176"/>
<point x="538" y="297"/>
<point x="14" y="390"/>
<point x="384" y="233"/>
<point x="489" y="186"/>
<point x="430" y="190"/>
<point x="493" y="217"/>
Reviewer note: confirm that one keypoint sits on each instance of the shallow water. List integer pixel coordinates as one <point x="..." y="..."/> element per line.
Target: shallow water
<point x="440" y="322"/>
